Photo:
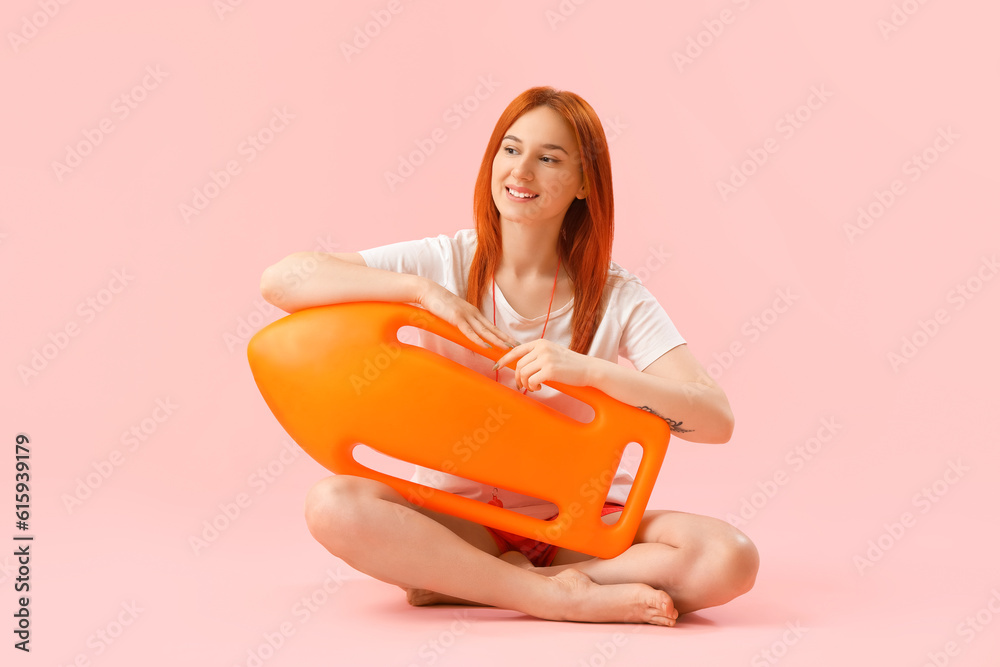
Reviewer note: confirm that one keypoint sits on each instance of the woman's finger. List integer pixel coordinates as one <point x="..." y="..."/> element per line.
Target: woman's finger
<point x="494" y="334"/>
<point x="467" y="329"/>
<point x="527" y="372"/>
<point x="486" y="332"/>
<point x="516" y="353"/>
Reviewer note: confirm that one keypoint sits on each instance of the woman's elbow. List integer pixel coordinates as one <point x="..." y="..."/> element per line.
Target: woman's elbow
<point x="273" y="285"/>
<point x="721" y="427"/>
<point x="727" y="431"/>
<point x="727" y="423"/>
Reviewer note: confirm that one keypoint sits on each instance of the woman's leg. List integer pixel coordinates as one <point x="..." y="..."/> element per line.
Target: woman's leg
<point x="375" y="530"/>
<point x="700" y="561"/>
<point x="420" y="597"/>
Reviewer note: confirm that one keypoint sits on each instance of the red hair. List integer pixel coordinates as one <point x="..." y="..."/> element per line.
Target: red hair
<point x="588" y="227"/>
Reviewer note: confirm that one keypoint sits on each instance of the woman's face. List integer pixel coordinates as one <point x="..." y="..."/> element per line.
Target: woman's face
<point x="539" y="157"/>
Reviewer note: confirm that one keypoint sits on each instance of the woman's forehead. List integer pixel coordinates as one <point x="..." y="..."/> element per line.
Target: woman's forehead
<point x="543" y="125"/>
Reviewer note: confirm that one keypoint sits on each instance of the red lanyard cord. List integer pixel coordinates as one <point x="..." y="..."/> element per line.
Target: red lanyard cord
<point x="549" y="312"/>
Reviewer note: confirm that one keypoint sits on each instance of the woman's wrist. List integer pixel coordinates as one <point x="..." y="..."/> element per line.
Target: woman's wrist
<point x="419" y="289"/>
<point x="596" y="371"/>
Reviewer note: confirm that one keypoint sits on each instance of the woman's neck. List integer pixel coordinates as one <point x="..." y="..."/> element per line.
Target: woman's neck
<point x="529" y="250"/>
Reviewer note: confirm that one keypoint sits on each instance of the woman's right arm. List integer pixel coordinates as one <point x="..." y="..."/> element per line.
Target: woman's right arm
<point x="307" y="279"/>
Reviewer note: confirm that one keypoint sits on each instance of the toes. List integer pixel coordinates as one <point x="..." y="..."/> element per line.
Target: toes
<point x="663" y="616"/>
<point x="662" y="611"/>
<point x="417" y="597"/>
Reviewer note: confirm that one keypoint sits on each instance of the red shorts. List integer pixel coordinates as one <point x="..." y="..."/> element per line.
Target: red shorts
<point x="539" y="553"/>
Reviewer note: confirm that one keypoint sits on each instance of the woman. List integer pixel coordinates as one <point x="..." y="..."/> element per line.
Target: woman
<point x="538" y="269"/>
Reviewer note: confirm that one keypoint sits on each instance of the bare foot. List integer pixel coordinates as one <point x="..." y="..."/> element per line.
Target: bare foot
<point x="419" y="597"/>
<point x="577" y="598"/>
<point x="573" y="596"/>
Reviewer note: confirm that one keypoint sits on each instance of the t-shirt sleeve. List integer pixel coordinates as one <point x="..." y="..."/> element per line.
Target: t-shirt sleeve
<point x="432" y="257"/>
<point x="648" y="332"/>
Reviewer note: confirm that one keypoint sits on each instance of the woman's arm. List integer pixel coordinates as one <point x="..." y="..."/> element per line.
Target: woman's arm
<point x="676" y="388"/>
<point x="307" y="279"/>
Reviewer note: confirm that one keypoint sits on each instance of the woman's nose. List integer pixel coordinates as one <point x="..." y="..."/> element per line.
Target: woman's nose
<point x="521" y="171"/>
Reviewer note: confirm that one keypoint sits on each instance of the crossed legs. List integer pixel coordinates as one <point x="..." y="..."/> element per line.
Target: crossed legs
<point x="679" y="563"/>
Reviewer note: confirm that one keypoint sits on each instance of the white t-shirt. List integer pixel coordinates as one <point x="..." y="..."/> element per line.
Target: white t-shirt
<point x="635" y="327"/>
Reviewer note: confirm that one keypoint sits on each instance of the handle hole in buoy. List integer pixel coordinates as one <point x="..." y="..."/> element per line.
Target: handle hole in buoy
<point x="486" y="492"/>
<point x="555" y="399"/>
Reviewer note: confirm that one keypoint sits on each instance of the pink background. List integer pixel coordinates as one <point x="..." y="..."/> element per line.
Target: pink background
<point x="176" y="330"/>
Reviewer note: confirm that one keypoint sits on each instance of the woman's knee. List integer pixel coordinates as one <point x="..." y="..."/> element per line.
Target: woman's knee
<point x="742" y="561"/>
<point x="334" y="505"/>
<point x="729" y="563"/>
<point x="713" y="556"/>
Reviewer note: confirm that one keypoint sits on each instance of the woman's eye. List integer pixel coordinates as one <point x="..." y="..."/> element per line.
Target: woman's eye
<point x="511" y="150"/>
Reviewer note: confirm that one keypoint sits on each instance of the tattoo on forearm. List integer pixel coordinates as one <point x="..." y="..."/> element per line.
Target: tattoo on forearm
<point x="675" y="426"/>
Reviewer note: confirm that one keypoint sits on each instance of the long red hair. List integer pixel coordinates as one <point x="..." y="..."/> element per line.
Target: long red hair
<point x="588" y="227"/>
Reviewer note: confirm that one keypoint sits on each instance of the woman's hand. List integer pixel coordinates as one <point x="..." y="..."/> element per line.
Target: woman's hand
<point x="437" y="300"/>
<point x="542" y="360"/>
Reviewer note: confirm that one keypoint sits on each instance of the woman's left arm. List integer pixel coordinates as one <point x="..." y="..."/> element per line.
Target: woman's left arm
<point x="675" y="387"/>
